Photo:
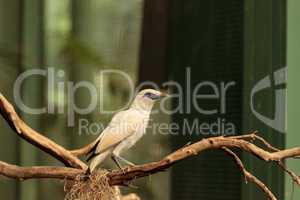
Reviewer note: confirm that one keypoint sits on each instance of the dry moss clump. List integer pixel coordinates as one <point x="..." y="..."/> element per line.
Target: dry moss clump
<point x="95" y="187"/>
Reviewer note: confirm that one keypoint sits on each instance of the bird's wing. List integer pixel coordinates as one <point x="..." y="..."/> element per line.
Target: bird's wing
<point x="123" y="125"/>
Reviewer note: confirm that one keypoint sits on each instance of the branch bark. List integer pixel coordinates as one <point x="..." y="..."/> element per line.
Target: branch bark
<point x="24" y="173"/>
<point x="249" y="176"/>
<point x="75" y="167"/>
<point x="23" y="130"/>
<point x="122" y="177"/>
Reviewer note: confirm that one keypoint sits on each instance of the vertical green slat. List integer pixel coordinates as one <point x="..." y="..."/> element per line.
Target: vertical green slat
<point x="10" y="35"/>
<point x="56" y="25"/>
<point x="293" y="97"/>
<point x="80" y="69"/>
<point x="264" y="54"/>
<point x="207" y="36"/>
<point x="32" y="92"/>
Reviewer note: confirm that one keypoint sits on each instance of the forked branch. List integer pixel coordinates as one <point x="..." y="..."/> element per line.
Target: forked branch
<point x="23" y="130"/>
<point x="76" y="168"/>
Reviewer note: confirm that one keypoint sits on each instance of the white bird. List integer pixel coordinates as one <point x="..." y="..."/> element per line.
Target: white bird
<point x="125" y="129"/>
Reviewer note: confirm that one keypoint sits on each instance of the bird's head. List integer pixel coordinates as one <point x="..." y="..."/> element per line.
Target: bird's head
<point x="151" y="94"/>
<point x="146" y="98"/>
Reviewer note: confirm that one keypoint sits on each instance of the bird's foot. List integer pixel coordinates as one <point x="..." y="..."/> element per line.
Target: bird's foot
<point x="131" y="164"/>
<point x="128" y="162"/>
<point x="88" y="172"/>
<point x="130" y="185"/>
<point x="110" y="170"/>
<point x="124" y="169"/>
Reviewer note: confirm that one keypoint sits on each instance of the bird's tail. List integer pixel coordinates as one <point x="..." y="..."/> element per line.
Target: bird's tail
<point x="98" y="159"/>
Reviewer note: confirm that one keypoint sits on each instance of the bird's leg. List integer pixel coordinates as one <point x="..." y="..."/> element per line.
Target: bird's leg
<point x="125" y="161"/>
<point x="114" y="158"/>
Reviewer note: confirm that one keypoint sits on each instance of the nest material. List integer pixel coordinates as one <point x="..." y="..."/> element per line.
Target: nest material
<point x="95" y="187"/>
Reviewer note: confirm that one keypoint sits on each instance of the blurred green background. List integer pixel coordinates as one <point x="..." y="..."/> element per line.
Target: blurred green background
<point x="80" y="38"/>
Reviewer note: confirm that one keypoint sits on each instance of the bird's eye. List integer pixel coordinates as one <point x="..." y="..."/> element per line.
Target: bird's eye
<point x="151" y="96"/>
<point x="148" y="94"/>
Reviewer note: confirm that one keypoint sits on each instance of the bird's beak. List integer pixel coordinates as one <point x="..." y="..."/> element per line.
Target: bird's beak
<point x="164" y="94"/>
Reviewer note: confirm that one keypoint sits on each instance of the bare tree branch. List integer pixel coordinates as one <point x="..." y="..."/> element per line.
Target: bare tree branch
<point x="24" y="173"/>
<point x="75" y="167"/>
<point x="23" y="130"/>
<point x="294" y="176"/>
<point x="249" y="176"/>
<point x="123" y="177"/>
<point x="252" y="137"/>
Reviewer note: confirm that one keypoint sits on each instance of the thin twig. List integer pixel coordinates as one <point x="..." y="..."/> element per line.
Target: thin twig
<point x="294" y="176"/>
<point x="252" y="137"/>
<point x="250" y="176"/>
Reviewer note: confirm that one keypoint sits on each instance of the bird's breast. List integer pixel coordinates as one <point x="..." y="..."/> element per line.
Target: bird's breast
<point x="137" y="135"/>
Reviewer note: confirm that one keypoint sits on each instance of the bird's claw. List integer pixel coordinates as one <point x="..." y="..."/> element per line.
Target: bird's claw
<point x="131" y="165"/>
<point x="130" y="185"/>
